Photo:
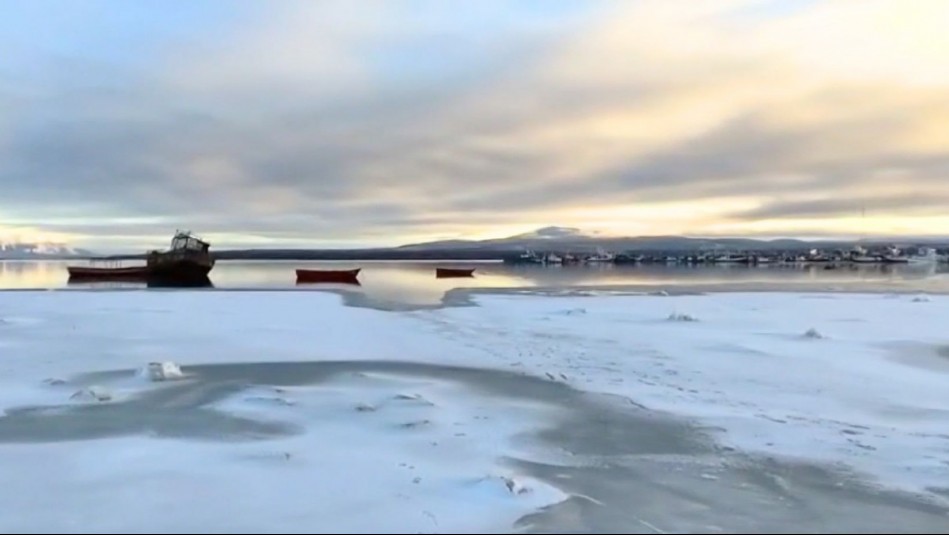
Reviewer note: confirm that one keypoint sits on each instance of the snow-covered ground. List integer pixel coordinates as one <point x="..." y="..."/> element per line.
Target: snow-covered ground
<point x="297" y="414"/>
<point x="859" y="379"/>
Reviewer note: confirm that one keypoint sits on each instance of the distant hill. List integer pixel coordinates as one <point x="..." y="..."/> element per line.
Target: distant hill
<point x="40" y="251"/>
<point x="548" y="239"/>
<point x="574" y="240"/>
<point x="540" y="238"/>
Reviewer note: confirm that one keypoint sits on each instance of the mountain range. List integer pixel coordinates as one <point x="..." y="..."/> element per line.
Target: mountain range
<point x="555" y="239"/>
<point x="574" y="240"/>
<point x="547" y="239"/>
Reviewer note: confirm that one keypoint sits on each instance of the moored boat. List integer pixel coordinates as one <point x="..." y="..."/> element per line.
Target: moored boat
<point x="731" y="259"/>
<point x="340" y="276"/>
<point x="186" y="263"/>
<point x="446" y="273"/>
<point x="628" y="258"/>
<point x="527" y="257"/>
<point x="91" y="273"/>
<point x="889" y="259"/>
<point x="859" y="255"/>
<point x="600" y="257"/>
<point x="925" y="255"/>
<point x="895" y="256"/>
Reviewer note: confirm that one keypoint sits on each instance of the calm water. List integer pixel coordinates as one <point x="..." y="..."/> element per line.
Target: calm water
<point x="415" y="282"/>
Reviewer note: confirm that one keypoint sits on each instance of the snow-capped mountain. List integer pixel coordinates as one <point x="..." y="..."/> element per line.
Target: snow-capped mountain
<point x="44" y="250"/>
<point x="554" y="238"/>
<point x="567" y="238"/>
<point x="553" y="233"/>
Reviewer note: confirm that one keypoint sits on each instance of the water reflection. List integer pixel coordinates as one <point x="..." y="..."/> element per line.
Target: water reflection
<point x="25" y="274"/>
<point x="418" y="283"/>
<point x="119" y="284"/>
<point x="325" y="285"/>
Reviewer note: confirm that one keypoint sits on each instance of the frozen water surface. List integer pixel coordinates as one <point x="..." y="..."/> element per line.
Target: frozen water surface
<point x="286" y="411"/>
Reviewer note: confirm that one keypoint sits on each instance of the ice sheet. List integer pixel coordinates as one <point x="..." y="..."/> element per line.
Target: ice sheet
<point x="752" y="366"/>
<point x="865" y="394"/>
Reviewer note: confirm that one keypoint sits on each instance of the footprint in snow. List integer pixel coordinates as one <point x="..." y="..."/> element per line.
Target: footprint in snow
<point x="814" y="334"/>
<point x="270" y="400"/>
<point x="415" y="398"/>
<point x="415" y="425"/>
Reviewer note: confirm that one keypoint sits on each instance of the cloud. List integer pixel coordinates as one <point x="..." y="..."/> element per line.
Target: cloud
<point x="384" y="122"/>
<point x="915" y="203"/>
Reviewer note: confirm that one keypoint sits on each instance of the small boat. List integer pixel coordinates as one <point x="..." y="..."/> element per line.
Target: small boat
<point x="601" y="256"/>
<point x="527" y="257"/>
<point x="135" y="273"/>
<point x="859" y="255"/>
<point x="925" y="255"/>
<point x="895" y="256"/>
<point x="341" y="276"/>
<point x="186" y="263"/>
<point x="731" y="259"/>
<point x="627" y="258"/>
<point x="447" y="273"/>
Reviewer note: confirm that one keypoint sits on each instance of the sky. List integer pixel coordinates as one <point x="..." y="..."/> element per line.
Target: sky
<point x="348" y="123"/>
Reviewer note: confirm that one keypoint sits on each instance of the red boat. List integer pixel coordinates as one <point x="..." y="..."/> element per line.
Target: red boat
<point x="447" y="273"/>
<point x="136" y="273"/>
<point x="349" y="276"/>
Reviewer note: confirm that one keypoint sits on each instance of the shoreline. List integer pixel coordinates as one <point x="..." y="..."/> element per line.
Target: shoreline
<point x="467" y="297"/>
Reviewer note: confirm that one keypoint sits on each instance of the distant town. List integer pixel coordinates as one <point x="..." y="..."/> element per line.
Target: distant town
<point x="827" y="257"/>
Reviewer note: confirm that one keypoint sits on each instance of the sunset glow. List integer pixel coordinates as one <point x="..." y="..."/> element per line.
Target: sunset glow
<point x="339" y="124"/>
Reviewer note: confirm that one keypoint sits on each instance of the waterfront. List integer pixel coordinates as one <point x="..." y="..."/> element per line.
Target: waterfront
<point x="414" y="283"/>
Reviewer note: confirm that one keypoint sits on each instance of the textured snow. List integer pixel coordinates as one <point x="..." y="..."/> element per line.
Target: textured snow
<point x="865" y="386"/>
<point x="377" y="452"/>
<point x="339" y="470"/>
<point x="162" y="371"/>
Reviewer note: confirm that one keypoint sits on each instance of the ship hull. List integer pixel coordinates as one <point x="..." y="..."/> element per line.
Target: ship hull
<point x="449" y="273"/>
<point x="183" y="272"/>
<point x="311" y="276"/>
<point x="81" y="273"/>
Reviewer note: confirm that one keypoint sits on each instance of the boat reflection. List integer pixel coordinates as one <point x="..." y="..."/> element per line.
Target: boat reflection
<point x="128" y="284"/>
<point x="417" y="283"/>
<point x="328" y="285"/>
